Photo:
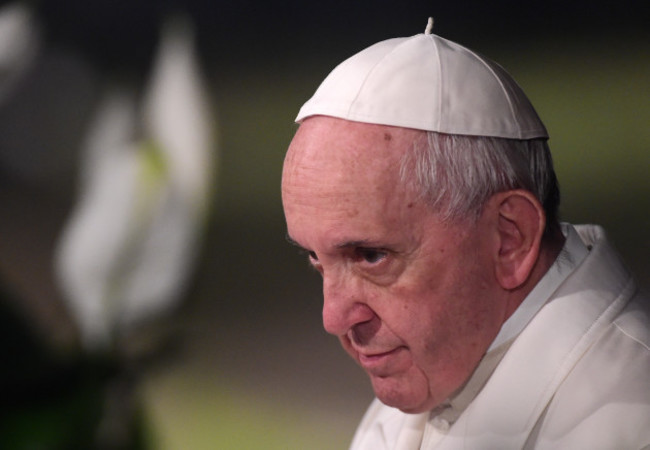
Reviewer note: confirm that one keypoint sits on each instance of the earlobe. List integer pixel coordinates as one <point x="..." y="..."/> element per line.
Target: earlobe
<point x="520" y="226"/>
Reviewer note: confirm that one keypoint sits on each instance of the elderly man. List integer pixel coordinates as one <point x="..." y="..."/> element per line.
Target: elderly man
<point x="421" y="186"/>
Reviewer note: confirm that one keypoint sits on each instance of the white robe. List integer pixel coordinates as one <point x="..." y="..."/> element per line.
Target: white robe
<point x="576" y="377"/>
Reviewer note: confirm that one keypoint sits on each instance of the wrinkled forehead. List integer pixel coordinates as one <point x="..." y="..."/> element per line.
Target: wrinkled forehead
<point x="346" y="151"/>
<point x="341" y="179"/>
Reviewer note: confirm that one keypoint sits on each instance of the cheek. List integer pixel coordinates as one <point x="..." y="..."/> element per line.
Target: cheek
<point x="420" y="319"/>
<point x="436" y="317"/>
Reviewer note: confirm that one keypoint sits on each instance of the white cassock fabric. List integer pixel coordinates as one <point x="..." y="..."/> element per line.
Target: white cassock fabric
<point x="576" y="377"/>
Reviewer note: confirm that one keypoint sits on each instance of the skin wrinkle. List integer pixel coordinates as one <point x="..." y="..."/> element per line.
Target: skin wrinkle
<point x="432" y="304"/>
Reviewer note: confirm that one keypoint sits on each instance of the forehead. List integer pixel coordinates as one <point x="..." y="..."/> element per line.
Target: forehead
<point x="341" y="176"/>
<point x="342" y="153"/>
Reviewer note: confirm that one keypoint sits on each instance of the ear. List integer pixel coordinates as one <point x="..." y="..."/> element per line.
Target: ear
<point x="520" y="226"/>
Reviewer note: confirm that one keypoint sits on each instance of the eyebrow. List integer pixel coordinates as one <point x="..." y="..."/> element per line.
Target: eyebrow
<point x="359" y="243"/>
<point x="347" y="244"/>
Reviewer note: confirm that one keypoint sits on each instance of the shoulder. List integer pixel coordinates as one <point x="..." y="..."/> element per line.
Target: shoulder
<point x="634" y="322"/>
<point x="604" y="402"/>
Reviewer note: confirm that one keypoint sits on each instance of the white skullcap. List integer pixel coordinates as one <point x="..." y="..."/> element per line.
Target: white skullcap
<point x="428" y="83"/>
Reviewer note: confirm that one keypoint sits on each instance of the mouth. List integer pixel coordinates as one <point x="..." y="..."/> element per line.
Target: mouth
<point x="377" y="361"/>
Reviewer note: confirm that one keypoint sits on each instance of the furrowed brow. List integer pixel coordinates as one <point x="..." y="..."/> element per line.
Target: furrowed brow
<point x="343" y="245"/>
<point x="352" y="244"/>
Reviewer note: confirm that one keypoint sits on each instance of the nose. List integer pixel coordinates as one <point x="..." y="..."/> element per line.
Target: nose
<point x="344" y="307"/>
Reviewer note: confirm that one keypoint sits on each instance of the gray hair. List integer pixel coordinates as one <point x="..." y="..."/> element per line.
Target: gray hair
<point x="458" y="174"/>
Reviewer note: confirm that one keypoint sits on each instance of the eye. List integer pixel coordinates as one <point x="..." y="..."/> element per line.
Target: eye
<point x="371" y="255"/>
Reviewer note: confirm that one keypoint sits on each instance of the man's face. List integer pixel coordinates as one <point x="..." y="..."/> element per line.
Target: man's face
<point x="412" y="300"/>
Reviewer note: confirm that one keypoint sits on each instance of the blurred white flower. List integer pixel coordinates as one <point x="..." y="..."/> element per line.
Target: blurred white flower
<point x="146" y="181"/>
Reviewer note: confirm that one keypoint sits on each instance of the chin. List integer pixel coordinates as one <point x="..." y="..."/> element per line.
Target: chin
<point x="404" y="396"/>
<point x="407" y="406"/>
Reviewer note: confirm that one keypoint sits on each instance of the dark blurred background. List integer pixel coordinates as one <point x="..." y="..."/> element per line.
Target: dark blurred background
<point x="244" y="362"/>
